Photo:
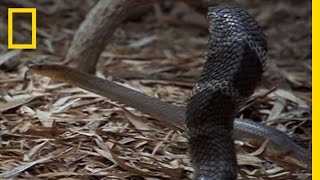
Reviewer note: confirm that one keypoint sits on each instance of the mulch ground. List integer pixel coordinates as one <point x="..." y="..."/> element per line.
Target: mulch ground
<point x="51" y="130"/>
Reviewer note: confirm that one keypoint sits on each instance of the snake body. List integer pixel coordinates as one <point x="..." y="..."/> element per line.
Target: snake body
<point x="235" y="61"/>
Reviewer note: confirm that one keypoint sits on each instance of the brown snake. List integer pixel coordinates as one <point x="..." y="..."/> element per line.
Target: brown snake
<point x="235" y="60"/>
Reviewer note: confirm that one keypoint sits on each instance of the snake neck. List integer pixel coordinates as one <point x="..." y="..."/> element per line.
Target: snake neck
<point x="236" y="49"/>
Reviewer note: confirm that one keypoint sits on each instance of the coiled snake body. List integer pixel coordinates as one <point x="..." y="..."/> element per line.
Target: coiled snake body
<point x="235" y="61"/>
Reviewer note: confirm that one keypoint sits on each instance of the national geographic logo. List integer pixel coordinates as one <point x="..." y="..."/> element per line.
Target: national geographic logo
<point x="33" y="12"/>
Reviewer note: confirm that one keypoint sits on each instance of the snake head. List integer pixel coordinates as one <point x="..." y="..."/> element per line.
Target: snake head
<point x="54" y="71"/>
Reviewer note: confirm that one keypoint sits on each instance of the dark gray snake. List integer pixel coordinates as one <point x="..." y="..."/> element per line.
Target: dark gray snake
<point x="235" y="61"/>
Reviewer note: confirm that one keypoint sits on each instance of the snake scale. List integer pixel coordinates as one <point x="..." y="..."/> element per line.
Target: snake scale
<point x="235" y="61"/>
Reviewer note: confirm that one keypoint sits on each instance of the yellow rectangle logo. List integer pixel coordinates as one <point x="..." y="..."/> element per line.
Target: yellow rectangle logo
<point x="33" y="44"/>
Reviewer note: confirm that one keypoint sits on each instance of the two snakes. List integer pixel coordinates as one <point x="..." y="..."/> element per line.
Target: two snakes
<point x="235" y="61"/>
